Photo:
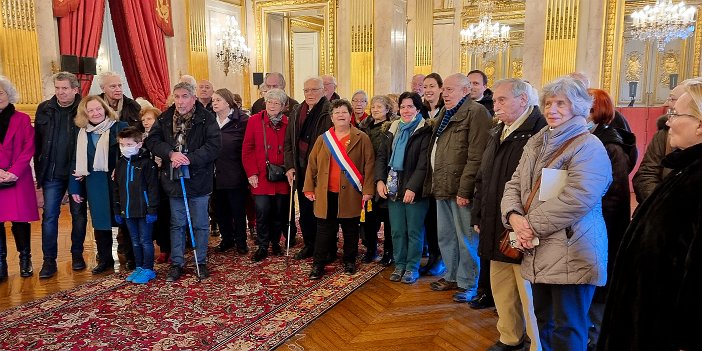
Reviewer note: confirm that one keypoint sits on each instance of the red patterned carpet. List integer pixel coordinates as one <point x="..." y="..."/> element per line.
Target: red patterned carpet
<point x="242" y="306"/>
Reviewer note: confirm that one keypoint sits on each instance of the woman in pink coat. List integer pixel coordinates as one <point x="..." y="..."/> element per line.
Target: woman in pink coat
<point x="17" y="196"/>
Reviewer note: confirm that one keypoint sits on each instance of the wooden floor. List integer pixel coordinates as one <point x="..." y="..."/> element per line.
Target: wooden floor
<point x="381" y="315"/>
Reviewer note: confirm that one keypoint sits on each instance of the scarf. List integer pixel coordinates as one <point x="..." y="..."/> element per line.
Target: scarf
<point x="399" y="144"/>
<point x="447" y="116"/>
<point x="181" y="127"/>
<point x="275" y="120"/>
<point x="5" y="116"/>
<point x="102" y="148"/>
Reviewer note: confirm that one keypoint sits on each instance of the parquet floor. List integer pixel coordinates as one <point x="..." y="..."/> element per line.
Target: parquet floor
<point x="381" y="315"/>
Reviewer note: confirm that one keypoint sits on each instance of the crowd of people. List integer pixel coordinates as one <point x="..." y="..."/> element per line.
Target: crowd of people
<point x="519" y="198"/>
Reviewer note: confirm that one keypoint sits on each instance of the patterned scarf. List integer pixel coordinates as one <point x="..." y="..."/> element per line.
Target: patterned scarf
<point x="447" y="116"/>
<point x="181" y="127"/>
<point x="102" y="149"/>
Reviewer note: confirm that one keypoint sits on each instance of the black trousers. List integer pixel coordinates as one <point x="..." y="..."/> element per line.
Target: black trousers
<point x="162" y="226"/>
<point x="431" y="231"/>
<point x="328" y="228"/>
<point x="20" y="231"/>
<point x="271" y="211"/>
<point x="230" y="205"/>
<point x="308" y="222"/>
<point x="371" y="227"/>
<point x="103" y="241"/>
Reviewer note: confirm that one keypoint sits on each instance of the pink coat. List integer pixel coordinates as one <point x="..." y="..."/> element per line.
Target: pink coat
<point x="255" y="160"/>
<point x="19" y="203"/>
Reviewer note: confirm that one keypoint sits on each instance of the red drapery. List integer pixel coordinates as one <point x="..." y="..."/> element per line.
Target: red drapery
<point x="80" y="33"/>
<point x="142" y="49"/>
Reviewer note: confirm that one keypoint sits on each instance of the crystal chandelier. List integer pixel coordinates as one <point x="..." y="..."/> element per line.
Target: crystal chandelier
<point x="486" y="36"/>
<point x="232" y="51"/>
<point x="663" y="22"/>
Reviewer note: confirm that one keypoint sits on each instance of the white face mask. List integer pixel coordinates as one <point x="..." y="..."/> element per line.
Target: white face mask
<point x="129" y="151"/>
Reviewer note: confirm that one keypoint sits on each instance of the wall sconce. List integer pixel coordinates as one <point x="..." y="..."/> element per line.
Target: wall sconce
<point x="632" y="92"/>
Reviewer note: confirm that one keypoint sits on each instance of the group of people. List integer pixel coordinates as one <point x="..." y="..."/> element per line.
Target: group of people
<point x="451" y="168"/>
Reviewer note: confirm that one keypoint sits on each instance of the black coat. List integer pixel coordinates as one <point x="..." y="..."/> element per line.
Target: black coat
<point x="260" y="105"/>
<point x="44" y="125"/>
<point x="654" y="300"/>
<point x="130" y="111"/>
<point x="499" y="162"/>
<point x="203" y="145"/>
<point x="318" y="121"/>
<point x="229" y="169"/>
<point x="487" y="101"/>
<point x="414" y="163"/>
<point x="135" y="187"/>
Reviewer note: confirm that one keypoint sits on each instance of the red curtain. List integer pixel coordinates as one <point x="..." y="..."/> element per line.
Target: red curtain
<point x="80" y="33"/>
<point x="142" y="49"/>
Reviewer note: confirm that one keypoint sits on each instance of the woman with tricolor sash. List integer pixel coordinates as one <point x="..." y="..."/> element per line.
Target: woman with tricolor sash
<point x="339" y="179"/>
<point x="400" y="172"/>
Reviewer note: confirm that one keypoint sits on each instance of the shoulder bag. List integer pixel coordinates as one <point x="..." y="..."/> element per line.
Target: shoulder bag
<point x="274" y="173"/>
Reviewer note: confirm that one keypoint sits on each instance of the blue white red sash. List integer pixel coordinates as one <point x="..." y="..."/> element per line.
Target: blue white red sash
<point x="338" y="151"/>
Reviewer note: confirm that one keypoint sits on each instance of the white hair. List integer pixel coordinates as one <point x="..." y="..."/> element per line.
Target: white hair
<point x="104" y="75"/>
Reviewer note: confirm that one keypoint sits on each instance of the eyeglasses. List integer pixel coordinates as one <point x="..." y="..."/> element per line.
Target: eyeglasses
<point x="309" y="90"/>
<point x="273" y="103"/>
<point x="359" y="101"/>
<point x="673" y="115"/>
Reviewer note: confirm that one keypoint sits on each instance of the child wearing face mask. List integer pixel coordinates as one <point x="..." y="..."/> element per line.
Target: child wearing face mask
<point x="136" y="200"/>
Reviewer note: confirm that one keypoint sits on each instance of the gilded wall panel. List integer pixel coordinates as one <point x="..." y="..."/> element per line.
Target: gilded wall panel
<point x="197" y="39"/>
<point x="423" y="35"/>
<point x="362" y="45"/>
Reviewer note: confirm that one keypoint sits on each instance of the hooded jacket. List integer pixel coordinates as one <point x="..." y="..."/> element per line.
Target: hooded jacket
<point x="135" y="189"/>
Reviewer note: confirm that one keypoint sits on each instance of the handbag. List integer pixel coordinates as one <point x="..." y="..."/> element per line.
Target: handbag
<point x="506" y="247"/>
<point x="274" y="173"/>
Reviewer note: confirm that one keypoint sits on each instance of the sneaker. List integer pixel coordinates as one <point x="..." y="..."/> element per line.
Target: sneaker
<point x="396" y="275"/>
<point x="410" y="277"/>
<point x="204" y="272"/>
<point x="48" y="269"/>
<point x="145" y="276"/>
<point x="137" y="271"/>
<point x="349" y="268"/>
<point x="174" y="273"/>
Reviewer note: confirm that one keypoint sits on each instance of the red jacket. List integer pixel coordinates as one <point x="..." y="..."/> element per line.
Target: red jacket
<point x="255" y="160"/>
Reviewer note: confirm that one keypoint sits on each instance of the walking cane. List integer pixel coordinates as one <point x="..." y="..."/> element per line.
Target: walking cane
<point x="184" y="172"/>
<point x="287" y="242"/>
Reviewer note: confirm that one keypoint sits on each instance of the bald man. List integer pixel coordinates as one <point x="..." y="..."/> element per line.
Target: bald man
<point x="418" y="84"/>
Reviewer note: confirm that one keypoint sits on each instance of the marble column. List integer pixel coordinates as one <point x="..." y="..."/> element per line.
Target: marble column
<point x="590" y="40"/>
<point x="446" y="52"/>
<point x="177" y="49"/>
<point x="343" y="49"/>
<point x="47" y="36"/>
<point x="390" y="47"/>
<point x="533" y="49"/>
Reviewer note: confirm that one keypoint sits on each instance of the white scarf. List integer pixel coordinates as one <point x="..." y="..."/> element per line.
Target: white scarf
<point x="102" y="148"/>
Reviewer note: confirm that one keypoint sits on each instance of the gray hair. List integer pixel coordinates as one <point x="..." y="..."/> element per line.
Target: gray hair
<point x="573" y="89"/>
<point x="463" y="80"/>
<point x="186" y="86"/>
<point x="533" y="96"/>
<point x="361" y="92"/>
<point x="280" y="76"/>
<point x="329" y="76"/>
<point x="518" y="86"/>
<point x="9" y="88"/>
<point x="318" y="80"/>
<point x="581" y="77"/>
<point x="188" y="79"/>
<point x="67" y="76"/>
<point x="104" y="75"/>
<point x="278" y="95"/>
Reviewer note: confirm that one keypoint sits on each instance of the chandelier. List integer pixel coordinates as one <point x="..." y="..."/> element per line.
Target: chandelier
<point x="232" y="51"/>
<point x="486" y="36"/>
<point x="663" y="22"/>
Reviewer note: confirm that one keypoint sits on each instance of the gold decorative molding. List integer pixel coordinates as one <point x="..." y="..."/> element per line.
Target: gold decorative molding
<point x="443" y="16"/>
<point x="669" y="64"/>
<point x="362" y="32"/>
<point x="328" y="36"/>
<point x="517" y="68"/>
<point x="19" y="51"/>
<point x="634" y="67"/>
<point x="197" y="39"/>
<point x="423" y="37"/>
<point x="698" y="45"/>
<point x="561" y="39"/>
<point x="608" y="62"/>
<point x="298" y="22"/>
<point x="245" y="75"/>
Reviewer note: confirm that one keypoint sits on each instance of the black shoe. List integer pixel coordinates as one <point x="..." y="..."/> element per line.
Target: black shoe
<point x="317" y="272"/>
<point x="482" y="301"/>
<point x="174" y="273"/>
<point x="48" y="269"/>
<point x="78" y="263"/>
<point x="26" y="269"/>
<point x="130" y="265"/>
<point x="103" y="267"/>
<point x="498" y="346"/>
<point x="387" y="259"/>
<point x="306" y="252"/>
<point x="331" y="257"/>
<point x="242" y="249"/>
<point x="424" y="270"/>
<point x="349" y="268"/>
<point x="204" y="272"/>
<point x="369" y="257"/>
<point x="259" y="255"/>
<point x="224" y="246"/>
<point x="277" y="251"/>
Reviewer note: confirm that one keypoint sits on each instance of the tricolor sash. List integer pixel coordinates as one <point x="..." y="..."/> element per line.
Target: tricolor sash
<point x="338" y="151"/>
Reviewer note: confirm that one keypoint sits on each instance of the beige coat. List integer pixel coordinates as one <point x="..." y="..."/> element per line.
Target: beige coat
<point x="360" y="151"/>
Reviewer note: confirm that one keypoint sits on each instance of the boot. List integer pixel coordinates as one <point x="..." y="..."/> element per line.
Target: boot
<point x="3" y="254"/>
<point x="23" y="243"/>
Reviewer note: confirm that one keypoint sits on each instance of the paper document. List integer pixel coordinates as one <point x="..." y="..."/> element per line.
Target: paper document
<point x="515" y="243"/>
<point x="552" y="183"/>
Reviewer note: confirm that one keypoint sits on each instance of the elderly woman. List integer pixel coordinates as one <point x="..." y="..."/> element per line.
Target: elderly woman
<point x="359" y="102"/>
<point x="562" y="231"/>
<point x="97" y="151"/>
<point x="381" y="112"/>
<point x="433" y="87"/>
<point x="339" y="179"/>
<point x="654" y="295"/>
<point x="231" y="188"/>
<point x="400" y="173"/>
<point x="263" y="143"/>
<point x="19" y="203"/>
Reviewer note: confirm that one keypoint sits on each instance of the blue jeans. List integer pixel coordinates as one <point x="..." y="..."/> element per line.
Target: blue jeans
<point x="458" y="244"/>
<point x="407" y="232"/>
<point x="180" y="232"/>
<point x="53" y="192"/>
<point x="561" y="313"/>
<point x="142" y="242"/>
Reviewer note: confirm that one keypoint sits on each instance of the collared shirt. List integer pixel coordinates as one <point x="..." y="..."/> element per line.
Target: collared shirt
<point x="226" y="120"/>
<point x="507" y="130"/>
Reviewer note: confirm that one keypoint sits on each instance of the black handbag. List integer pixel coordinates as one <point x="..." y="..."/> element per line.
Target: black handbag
<point x="274" y="173"/>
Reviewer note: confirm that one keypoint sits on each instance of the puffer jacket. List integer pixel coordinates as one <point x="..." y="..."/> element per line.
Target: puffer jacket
<point x="570" y="226"/>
